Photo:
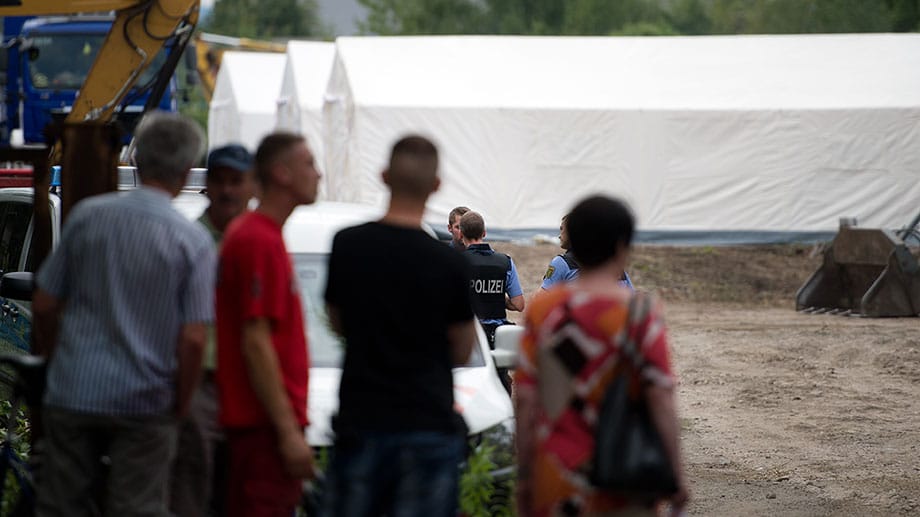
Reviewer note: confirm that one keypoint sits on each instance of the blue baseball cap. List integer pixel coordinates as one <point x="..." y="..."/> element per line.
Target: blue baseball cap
<point x="233" y="156"/>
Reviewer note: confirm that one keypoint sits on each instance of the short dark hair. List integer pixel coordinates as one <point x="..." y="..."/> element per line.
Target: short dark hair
<point x="599" y="228"/>
<point x="415" y="145"/>
<point x="271" y="149"/>
<point x="472" y="226"/>
<point x="413" y="167"/>
<point x="457" y="212"/>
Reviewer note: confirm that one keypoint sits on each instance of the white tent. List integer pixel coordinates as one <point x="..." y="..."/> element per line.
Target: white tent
<point x="300" y="104"/>
<point x="768" y="137"/>
<point x="245" y="98"/>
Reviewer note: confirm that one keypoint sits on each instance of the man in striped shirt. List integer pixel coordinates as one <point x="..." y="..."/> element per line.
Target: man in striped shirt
<point x="129" y="293"/>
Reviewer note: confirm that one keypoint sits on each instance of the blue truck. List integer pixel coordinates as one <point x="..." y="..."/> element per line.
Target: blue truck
<point x="47" y="60"/>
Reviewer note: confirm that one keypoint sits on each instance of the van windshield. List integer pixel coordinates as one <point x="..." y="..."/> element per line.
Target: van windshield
<point x="327" y="348"/>
<point x="63" y="61"/>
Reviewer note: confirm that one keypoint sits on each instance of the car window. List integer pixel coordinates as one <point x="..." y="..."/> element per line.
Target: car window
<point x="326" y="348"/>
<point x="14" y="225"/>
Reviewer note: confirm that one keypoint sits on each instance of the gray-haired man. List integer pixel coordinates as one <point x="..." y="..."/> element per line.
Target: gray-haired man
<point x="130" y="290"/>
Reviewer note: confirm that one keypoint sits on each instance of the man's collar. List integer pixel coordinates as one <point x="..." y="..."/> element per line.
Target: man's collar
<point x="154" y="192"/>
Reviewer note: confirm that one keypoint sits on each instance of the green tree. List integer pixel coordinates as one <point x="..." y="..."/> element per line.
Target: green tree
<point x="603" y="17"/>
<point x="541" y="17"/>
<point x="646" y="17"/>
<point x="537" y="17"/>
<point x="405" y="17"/>
<point x="730" y="16"/>
<point x="690" y="17"/>
<point x="821" y="16"/>
<point x="645" y="29"/>
<point x="265" y="19"/>
<point x="905" y="15"/>
<point x="812" y="16"/>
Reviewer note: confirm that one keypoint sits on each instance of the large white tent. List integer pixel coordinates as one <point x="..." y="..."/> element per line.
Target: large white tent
<point x="303" y="85"/>
<point x="243" y="107"/>
<point x="756" y="137"/>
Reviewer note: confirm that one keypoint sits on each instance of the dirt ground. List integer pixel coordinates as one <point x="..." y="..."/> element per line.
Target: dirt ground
<point x="782" y="413"/>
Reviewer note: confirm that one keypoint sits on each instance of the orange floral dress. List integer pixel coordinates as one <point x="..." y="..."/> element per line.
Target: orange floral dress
<point x="569" y="356"/>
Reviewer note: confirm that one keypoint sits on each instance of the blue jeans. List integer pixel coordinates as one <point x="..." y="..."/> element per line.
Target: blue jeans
<point x="409" y="474"/>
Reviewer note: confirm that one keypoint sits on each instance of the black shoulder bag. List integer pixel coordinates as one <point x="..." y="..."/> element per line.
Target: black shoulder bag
<point x="629" y="457"/>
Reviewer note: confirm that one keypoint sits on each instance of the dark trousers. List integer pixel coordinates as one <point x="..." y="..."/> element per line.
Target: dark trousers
<point x="408" y="474"/>
<point x="141" y="450"/>
<point x="194" y="492"/>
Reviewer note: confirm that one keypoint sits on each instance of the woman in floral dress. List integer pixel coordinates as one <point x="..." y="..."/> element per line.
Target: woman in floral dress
<point x="570" y="354"/>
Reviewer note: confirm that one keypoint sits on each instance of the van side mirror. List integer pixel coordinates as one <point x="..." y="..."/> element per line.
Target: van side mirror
<point x="507" y="345"/>
<point x="17" y="286"/>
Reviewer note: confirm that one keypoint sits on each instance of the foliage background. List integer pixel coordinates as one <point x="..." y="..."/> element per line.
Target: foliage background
<point x="266" y="19"/>
<point x="638" y="17"/>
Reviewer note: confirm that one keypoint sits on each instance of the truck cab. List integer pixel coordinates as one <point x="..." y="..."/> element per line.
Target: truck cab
<point x="48" y="59"/>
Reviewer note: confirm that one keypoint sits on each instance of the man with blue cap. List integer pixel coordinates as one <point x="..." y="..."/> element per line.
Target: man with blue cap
<point x="230" y="185"/>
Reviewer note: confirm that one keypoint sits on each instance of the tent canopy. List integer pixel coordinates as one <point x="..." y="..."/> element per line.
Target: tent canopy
<point x="243" y="107"/>
<point x="630" y="73"/>
<point x="776" y="135"/>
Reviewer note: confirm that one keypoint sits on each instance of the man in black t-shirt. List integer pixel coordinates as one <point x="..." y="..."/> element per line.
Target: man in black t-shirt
<point x="397" y="432"/>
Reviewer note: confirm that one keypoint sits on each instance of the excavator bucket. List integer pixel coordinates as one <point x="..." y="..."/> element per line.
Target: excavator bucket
<point x="866" y="272"/>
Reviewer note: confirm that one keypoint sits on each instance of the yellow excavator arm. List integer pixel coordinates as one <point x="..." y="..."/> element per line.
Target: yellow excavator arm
<point x="140" y="30"/>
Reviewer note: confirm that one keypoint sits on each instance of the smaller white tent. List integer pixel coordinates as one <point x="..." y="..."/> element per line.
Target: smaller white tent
<point x="245" y="98"/>
<point x="300" y="105"/>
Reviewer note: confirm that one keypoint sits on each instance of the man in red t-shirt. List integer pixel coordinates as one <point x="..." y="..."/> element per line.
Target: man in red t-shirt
<point x="262" y="357"/>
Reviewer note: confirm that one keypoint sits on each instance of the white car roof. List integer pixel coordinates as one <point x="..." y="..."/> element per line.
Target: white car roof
<point x="309" y="229"/>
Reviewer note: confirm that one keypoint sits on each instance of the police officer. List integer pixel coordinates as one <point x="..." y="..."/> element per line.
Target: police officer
<point x="495" y="287"/>
<point x="453" y="226"/>
<point x="564" y="268"/>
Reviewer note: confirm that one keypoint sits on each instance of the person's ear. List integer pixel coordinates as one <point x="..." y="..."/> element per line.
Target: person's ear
<point x="436" y="186"/>
<point x="385" y="177"/>
<point x="280" y="173"/>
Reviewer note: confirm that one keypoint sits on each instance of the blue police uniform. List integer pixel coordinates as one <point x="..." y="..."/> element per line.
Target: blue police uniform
<point x="564" y="268"/>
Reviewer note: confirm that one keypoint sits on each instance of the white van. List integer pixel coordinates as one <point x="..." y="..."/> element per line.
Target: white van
<point x="479" y="394"/>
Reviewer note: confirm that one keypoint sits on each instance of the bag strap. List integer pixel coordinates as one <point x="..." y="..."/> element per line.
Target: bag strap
<point x="637" y="310"/>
